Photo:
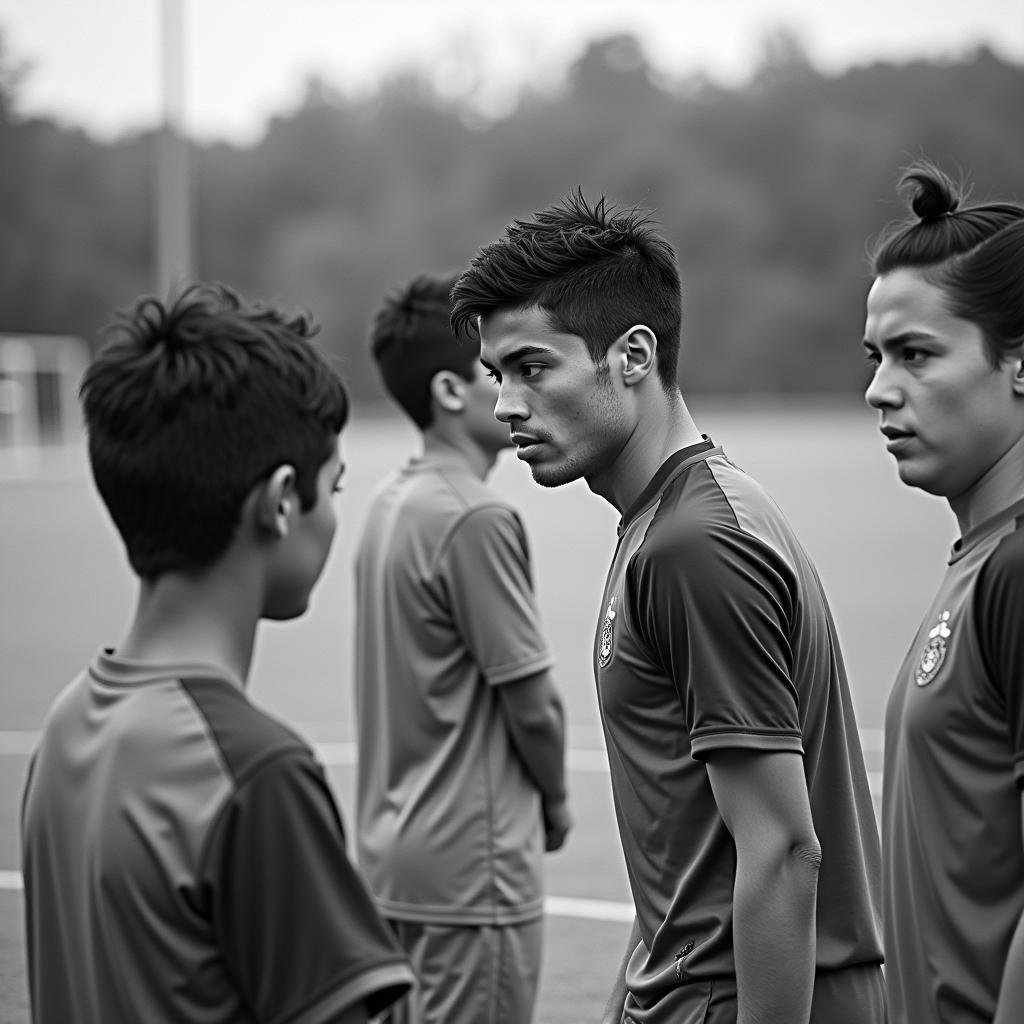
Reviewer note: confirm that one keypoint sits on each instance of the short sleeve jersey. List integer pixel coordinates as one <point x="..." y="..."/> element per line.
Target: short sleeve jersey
<point x="715" y="634"/>
<point x="184" y="860"/>
<point x="954" y="771"/>
<point x="449" y="824"/>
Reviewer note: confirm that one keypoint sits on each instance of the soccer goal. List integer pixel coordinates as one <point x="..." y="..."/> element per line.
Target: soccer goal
<point x="39" y="417"/>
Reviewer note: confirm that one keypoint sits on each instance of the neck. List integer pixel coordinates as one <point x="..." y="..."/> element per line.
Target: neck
<point x="458" y="446"/>
<point x="1000" y="486"/>
<point x="663" y="426"/>
<point x="209" y="619"/>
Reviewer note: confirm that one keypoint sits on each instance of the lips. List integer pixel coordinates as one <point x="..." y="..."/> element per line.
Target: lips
<point x="526" y="444"/>
<point x="896" y="439"/>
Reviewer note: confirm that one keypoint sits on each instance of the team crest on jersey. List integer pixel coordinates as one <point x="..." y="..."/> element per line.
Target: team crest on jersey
<point x="606" y="640"/>
<point x="934" y="652"/>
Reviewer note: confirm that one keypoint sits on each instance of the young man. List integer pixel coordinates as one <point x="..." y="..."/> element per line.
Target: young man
<point x="739" y="785"/>
<point x="183" y="856"/>
<point x="461" y="783"/>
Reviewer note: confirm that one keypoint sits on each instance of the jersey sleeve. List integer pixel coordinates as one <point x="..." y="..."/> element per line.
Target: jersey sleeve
<point x="299" y="930"/>
<point x="714" y="607"/>
<point x="999" y="612"/>
<point x="486" y="566"/>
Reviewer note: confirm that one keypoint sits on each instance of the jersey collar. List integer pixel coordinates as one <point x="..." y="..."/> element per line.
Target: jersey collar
<point x="676" y="462"/>
<point x="978" y="533"/>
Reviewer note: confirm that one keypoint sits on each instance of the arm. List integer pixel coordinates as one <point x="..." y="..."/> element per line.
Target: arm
<point x="533" y="715"/>
<point x="1010" y="1007"/>
<point x="998" y="610"/>
<point x="617" y="1000"/>
<point x="763" y="800"/>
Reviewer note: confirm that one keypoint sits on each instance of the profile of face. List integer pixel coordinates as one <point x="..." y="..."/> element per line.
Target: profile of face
<point x="299" y="555"/>
<point x="563" y="412"/>
<point x="947" y="414"/>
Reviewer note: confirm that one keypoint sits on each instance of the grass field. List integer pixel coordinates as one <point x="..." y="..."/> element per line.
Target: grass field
<point x="64" y="590"/>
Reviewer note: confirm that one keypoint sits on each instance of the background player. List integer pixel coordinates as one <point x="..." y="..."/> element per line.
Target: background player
<point x="944" y="335"/>
<point x="461" y="783"/>
<point x="738" y="780"/>
<point x="183" y="857"/>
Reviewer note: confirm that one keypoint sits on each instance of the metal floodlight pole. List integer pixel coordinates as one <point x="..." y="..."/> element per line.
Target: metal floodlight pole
<point x="175" y="258"/>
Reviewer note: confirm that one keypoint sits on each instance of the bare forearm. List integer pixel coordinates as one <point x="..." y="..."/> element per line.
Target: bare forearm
<point x="1010" y="1009"/>
<point x="536" y="727"/>
<point x="617" y="1000"/>
<point x="774" y="936"/>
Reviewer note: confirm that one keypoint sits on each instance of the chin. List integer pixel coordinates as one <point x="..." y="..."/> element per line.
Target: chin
<point x="554" y="476"/>
<point x="922" y="481"/>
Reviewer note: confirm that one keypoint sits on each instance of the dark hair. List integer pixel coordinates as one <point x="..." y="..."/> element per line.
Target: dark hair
<point x="189" y="405"/>
<point x="973" y="252"/>
<point x="412" y="339"/>
<point x="595" y="271"/>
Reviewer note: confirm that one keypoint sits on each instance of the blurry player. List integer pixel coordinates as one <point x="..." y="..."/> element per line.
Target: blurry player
<point x="739" y="784"/>
<point x="461" y="782"/>
<point x="945" y="336"/>
<point x="183" y="856"/>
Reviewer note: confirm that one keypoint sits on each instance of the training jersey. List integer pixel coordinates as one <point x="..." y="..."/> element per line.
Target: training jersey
<point x="449" y="825"/>
<point x="715" y="634"/>
<point x="184" y="861"/>
<point x="954" y="771"/>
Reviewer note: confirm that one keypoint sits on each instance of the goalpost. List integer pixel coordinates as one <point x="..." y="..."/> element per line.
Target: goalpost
<point x="39" y="415"/>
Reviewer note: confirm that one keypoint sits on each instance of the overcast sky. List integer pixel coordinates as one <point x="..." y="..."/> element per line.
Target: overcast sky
<point x="97" y="63"/>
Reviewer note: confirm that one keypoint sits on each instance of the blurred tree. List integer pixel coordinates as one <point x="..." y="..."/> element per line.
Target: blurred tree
<point x="769" y="192"/>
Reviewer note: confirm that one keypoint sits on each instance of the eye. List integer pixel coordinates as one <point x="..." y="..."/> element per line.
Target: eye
<point x="873" y="358"/>
<point x="530" y="370"/>
<point x="913" y="355"/>
<point x="493" y="376"/>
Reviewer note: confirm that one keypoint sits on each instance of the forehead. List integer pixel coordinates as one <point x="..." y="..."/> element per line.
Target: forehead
<point x="510" y="334"/>
<point x="904" y="295"/>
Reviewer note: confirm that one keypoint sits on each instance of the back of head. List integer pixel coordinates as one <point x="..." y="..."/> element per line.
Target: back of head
<point x="412" y="339"/>
<point x="974" y="252"/>
<point x="189" y="405"/>
<point x="596" y="271"/>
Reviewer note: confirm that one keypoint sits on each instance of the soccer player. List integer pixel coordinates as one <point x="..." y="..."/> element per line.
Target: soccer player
<point x="182" y="854"/>
<point x="738" y="780"/>
<point x="945" y="338"/>
<point x="461" y="783"/>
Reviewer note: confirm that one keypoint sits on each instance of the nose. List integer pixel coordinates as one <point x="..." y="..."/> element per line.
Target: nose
<point x="510" y="405"/>
<point x="882" y="391"/>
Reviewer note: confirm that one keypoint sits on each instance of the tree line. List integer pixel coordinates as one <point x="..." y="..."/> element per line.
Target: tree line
<point x="769" y="191"/>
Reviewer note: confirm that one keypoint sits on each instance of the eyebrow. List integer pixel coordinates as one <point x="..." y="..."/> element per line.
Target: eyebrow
<point x="518" y="354"/>
<point x="899" y="340"/>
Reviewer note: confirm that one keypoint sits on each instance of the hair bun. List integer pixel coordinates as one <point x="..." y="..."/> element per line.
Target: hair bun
<point x="932" y="193"/>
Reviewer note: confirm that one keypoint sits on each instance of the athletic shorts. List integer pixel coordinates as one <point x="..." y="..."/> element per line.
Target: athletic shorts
<point x="852" y="995"/>
<point x="470" y="974"/>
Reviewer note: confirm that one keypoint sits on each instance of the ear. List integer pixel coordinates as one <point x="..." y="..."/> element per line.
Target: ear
<point x="447" y="388"/>
<point x="275" y="501"/>
<point x="1018" y="377"/>
<point x="633" y="354"/>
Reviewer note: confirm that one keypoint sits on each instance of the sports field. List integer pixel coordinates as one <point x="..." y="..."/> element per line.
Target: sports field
<point x="64" y="590"/>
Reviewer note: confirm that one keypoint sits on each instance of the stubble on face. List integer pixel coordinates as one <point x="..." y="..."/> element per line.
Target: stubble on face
<point x="595" y="441"/>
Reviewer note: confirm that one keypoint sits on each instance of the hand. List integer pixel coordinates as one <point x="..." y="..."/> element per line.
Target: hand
<point x="557" y="825"/>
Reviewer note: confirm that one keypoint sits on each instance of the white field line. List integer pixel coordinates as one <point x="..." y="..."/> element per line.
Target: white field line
<point x="13" y="743"/>
<point x="343" y="754"/>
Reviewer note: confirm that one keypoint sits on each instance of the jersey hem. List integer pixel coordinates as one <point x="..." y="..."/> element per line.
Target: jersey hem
<point x="426" y="914"/>
<point x="388" y="982"/>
